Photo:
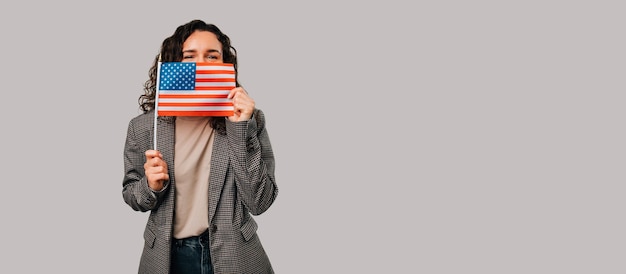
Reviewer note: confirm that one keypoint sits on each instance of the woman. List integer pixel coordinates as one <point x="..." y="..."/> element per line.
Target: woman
<point x="208" y="176"/>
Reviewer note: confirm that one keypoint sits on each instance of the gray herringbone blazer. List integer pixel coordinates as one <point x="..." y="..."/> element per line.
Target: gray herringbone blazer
<point x="241" y="184"/>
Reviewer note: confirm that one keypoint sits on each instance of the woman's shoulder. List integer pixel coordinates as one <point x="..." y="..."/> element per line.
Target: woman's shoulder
<point x="258" y="112"/>
<point x="145" y="121"/>
<point x="259" y="116"/>
<point x="143" y="118"/>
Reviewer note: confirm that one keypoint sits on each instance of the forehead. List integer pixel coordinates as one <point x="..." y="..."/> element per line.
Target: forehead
<point x="202" y="40"/>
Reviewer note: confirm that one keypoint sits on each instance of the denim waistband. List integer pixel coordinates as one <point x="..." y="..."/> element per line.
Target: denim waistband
<point x="203" y="238"/>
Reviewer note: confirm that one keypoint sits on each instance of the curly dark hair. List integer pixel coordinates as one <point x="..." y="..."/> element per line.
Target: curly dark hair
<point x="172" y="51"/>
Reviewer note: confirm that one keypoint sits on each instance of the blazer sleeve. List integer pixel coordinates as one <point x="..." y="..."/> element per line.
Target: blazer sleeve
<point x="136" y="192"/>
<point x="253" y="162"/>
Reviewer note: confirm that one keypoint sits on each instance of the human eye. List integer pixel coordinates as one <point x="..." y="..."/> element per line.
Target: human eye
<point x="213" y="57"/>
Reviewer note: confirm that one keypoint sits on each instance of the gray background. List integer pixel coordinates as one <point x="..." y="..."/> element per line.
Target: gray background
<point x="424" y="137"/>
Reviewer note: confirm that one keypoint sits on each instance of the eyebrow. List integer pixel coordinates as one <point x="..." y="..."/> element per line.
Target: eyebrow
<point x="193" y="51"/>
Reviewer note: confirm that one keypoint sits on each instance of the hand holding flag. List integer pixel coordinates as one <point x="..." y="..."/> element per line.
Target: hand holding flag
<point x="242" y="103"/>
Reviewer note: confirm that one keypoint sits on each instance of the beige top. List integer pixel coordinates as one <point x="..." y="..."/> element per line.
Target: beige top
<point x="192" y="163"/>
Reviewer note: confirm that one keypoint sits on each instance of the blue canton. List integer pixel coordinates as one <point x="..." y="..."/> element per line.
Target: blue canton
<point x="178" y="76"/>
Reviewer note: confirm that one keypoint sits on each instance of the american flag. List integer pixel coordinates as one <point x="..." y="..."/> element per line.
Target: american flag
<point x="195" y="89"/>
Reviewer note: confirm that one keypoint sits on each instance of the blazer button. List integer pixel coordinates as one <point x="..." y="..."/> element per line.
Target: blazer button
<point x="213" y="228"/>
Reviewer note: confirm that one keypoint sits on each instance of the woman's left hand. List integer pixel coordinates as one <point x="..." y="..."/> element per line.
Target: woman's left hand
<point x="243" y="104"/>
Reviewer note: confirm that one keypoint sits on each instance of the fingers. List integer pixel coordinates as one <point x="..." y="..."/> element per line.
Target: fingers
<point x="153" y="153"/>
<point x="242" y="103"/>
<point x="235" y="91"/>
<point x="155" y="169"/>
<point x="155" y="162"/>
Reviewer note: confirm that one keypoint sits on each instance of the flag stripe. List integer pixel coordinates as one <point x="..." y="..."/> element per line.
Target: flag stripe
<point x="197" y="108"/>
<point x="196" y="113"/>
<point x="224" y="89"/>
<point x="196" y="100"/>
<point x="215" y="79"/>
<point x="215" y="67"/>
<point x="217" y="73"/>
<point x="198" y="104"/>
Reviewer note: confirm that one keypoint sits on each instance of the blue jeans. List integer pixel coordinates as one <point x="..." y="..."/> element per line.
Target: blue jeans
<point x="191" y="255"/>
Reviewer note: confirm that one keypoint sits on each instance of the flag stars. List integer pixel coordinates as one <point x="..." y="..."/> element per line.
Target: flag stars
<point x="177" y="76"/>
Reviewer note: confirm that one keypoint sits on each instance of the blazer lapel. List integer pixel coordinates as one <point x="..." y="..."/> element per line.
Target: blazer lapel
<point x="219" y="166"/>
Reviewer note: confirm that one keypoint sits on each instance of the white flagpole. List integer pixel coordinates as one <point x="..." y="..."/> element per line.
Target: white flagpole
<point x="156" y="101"/>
